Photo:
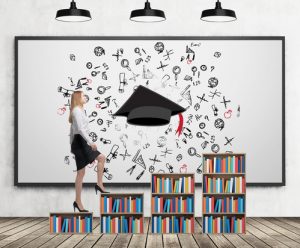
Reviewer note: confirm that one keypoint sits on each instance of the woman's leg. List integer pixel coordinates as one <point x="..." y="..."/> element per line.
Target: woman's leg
<point x="101" y="161"/>
<point x="78" y="186"/>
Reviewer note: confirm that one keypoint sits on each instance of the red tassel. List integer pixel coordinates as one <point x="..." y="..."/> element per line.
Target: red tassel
<point x="180" y="125"/>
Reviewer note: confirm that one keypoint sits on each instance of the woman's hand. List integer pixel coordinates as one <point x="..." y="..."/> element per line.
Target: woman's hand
<point x="94" y="146"/>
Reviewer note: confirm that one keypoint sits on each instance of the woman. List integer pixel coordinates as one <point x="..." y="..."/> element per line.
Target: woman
<point x="82" y="146"/>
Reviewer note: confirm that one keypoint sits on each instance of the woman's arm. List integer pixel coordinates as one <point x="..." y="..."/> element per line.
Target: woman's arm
<point x="78" y="121"/>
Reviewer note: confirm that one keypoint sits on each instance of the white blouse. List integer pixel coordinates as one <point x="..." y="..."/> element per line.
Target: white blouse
<point x="80" y="125"/>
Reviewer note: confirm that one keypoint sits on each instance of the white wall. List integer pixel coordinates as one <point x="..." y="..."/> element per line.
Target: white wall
<point x="110" y="18"/>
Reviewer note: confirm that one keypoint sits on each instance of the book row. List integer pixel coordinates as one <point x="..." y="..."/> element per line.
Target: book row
<point x="121" y="224"/>
<point x="172" y="224"/>
<point x="228" y="164"/>
<point x="223" y="205"/>
<point x="184" y="184"/>
<point x="224" y="185"/>
<point x="174" y="204"/>
<point x="122" y="205"/>
<point x="76" y="224"/>
<point x="223" y="224"/>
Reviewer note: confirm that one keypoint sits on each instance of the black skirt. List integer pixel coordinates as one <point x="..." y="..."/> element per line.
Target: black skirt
<point x="84" y="154"/>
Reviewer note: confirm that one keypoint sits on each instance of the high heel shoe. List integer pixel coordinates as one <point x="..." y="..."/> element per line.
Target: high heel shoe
<point x="98" y="188"/>
<point x="75" y="205"/>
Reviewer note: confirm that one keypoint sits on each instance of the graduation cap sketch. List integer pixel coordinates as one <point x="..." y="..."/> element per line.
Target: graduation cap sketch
<point x="148" y="108"/>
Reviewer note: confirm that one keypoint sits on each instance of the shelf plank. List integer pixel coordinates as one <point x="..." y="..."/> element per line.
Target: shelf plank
<point x="223" y="213"/>
<point x="224" y="174"/>
<point x="224" y="194"/>
<point x="122" y="194"/>
<point x="173" y="174"/>
<point x="185" y="213"/>
<point x="70" y="213"/>
<point x="122" y="213"/>
<point x="222" y="154"/>
<point x="172" y="194"/>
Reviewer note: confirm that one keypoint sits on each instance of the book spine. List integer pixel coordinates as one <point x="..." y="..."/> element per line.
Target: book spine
<point x="59" y="223"/>
<point x="51" y="224"/>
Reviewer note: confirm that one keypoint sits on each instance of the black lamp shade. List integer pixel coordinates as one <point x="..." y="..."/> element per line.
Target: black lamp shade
<point x="218" y="14"/>
<point x="73" y="14"/>
<point x="147" y="14"/>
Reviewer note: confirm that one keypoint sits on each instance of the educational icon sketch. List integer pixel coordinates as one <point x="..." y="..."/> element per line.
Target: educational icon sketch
<point x="148" y="82"/>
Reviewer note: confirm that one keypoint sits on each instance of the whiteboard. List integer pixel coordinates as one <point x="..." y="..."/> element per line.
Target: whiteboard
<point x="232" y="89"/>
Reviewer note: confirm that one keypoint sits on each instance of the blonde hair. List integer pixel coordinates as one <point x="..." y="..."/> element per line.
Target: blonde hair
<point x="75" y="101"/>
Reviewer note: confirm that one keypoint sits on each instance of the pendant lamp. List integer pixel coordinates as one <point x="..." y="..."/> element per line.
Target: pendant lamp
<point x="73" y="14"/>
<point x="218" y="14"/>
<point x="147" y="14"/>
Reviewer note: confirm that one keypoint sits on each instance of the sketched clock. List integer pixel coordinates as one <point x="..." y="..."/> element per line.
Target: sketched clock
<point x="230" y="91"/>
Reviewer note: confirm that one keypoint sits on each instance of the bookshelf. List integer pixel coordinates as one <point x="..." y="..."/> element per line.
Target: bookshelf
<point x="70" y="223"/>
<point x="122" y="212"/>
<point x="224" y="193"/>
<point x="172" y="202"/>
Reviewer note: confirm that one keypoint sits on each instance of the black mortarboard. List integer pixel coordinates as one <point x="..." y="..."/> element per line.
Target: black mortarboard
<point x="148" y="108"/>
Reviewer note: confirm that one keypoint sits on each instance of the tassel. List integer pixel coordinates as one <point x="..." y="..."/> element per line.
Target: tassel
<point x="180" y="125"/>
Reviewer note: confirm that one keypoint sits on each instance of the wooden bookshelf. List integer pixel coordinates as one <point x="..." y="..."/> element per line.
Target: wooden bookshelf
<point x="70" y="215"/>
<point x="173" y="195"/>
<point x="119" y="214"/>
<point x="225" y="196"/>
